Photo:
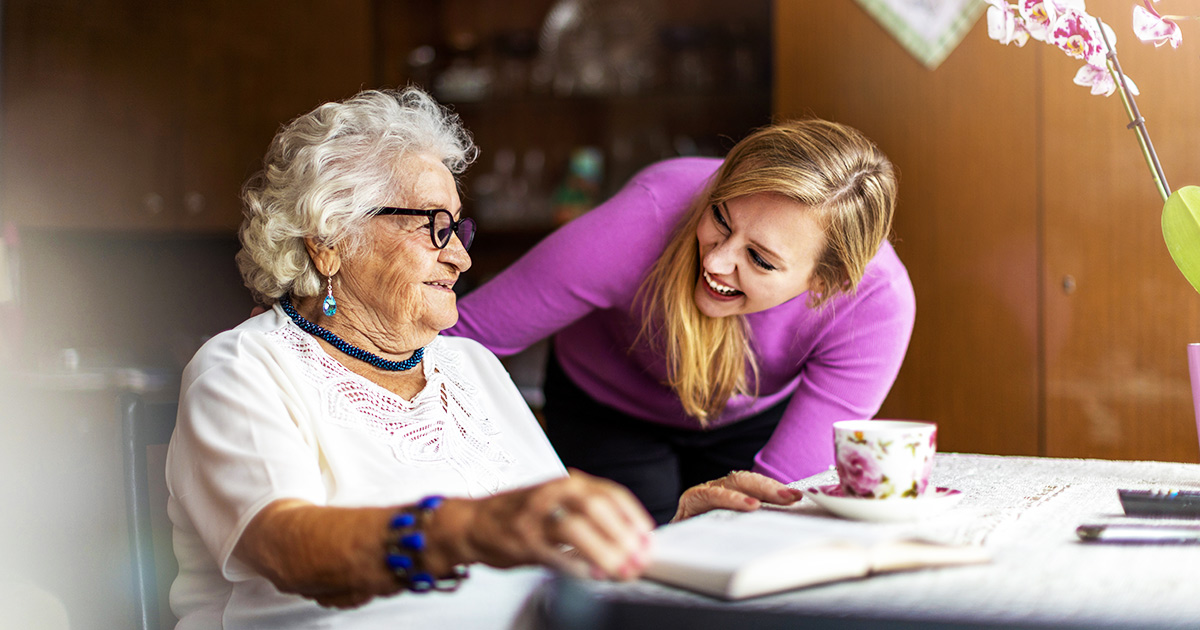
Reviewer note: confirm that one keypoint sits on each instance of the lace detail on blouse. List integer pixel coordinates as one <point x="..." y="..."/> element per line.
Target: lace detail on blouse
<point x="442" y="426"/>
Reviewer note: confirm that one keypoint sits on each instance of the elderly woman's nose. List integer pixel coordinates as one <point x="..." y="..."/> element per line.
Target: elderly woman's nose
<point x="455" y="254"/>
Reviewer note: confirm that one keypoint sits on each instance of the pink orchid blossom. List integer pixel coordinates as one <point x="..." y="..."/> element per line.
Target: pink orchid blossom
<point x="1149" y="26"/>
<point x="1004" y="25"/>
<point x="1040" y="15"/>
<point x="1067" y="25"/>
<point x="1076" y="34"/>
<point x="1101" y="81"/>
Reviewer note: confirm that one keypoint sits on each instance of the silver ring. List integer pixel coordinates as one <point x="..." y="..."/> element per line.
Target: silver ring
<point x="557" y="514"/>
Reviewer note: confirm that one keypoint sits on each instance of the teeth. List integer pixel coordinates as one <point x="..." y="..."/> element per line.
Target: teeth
<point x="718" y="287"/>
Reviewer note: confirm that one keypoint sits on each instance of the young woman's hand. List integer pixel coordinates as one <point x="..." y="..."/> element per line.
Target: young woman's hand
<point x="740" y="490"/>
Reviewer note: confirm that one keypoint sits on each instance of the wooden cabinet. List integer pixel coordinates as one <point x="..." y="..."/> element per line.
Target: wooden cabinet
<point x="149" y="116"/>
<point x="668" y="78"/>
<point x="1050" y="318"/>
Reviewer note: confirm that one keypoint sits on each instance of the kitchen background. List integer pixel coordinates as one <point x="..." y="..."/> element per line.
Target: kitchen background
<point x="1051" y="320"/>
<point x="129" y="127"/>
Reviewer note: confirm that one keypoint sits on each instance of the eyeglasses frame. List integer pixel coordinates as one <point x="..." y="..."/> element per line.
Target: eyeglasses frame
<point x="431" y="213"/>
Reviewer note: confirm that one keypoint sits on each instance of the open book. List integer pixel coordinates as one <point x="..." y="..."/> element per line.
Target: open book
<point x="735" y="555"/>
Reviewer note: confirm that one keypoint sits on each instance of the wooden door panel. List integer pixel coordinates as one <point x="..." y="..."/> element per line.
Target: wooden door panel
<point x="1116" y="369"/>
<point x="964" y="140"/>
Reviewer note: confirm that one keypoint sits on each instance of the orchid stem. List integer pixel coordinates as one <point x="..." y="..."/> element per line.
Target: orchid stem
<point x="1137" y="123"/>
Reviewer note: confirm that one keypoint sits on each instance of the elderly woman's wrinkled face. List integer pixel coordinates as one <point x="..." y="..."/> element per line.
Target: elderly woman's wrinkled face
<point x="405" y="283"/>
<point x="756" y="252"/>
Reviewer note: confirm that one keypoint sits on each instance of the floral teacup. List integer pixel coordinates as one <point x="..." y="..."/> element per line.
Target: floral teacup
<point x="884" y="459"/>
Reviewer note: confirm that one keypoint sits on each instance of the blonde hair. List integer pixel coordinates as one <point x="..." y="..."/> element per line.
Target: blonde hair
<point x="326" y="171"/>
<point x="832" y="170"/>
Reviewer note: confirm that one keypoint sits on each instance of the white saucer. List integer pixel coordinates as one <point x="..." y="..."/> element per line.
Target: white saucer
<point x="936" y="501"/>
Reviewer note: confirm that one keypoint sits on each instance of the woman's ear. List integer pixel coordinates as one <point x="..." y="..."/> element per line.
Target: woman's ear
<point x="325" y="257"/>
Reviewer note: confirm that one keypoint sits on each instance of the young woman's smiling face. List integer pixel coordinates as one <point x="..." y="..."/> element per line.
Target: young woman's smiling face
<point x="756" y="252"/>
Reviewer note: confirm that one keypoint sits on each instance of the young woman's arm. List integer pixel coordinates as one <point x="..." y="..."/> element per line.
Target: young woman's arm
<point x="594" y="262"/>
<point x="847" y="376"/>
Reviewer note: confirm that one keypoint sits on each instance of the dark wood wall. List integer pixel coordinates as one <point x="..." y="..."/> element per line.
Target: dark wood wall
<point x="1050" y="317"/>
<point x="148" y="116"/>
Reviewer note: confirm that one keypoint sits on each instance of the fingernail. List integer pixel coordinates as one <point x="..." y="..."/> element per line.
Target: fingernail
<point x="596" y="573"/>
<point x="751" y="501"/>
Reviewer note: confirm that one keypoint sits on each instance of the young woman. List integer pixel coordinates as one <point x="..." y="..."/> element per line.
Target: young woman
<point x="714" y="315"/>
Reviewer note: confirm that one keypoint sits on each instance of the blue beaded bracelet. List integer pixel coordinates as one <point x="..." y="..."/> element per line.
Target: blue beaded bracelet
<point x="406" y="546"/>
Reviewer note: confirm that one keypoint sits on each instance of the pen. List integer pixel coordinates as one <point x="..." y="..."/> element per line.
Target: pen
<point x="1139" y="533"/>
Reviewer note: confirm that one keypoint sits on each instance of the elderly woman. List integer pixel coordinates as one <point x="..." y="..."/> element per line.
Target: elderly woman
<point x="316" y="441"/>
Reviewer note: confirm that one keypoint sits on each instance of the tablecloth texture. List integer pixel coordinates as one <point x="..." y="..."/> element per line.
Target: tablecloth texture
<point x="1024" y="511"/>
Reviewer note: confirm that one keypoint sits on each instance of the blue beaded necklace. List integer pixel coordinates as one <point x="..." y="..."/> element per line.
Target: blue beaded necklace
<point x="340" y="344"/>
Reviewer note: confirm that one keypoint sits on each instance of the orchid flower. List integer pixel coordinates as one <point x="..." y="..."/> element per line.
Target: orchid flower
<point x="1039" y="16"/>
<point x="1149" y="26"/>
<point x="1004" y="25"/>
<point x="1076" y="34"/>
<point x="1101" y="81"/>
<point x="1066" y="25"/>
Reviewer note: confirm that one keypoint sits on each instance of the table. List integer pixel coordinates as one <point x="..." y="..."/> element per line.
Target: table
<point x="1023" y="510"/>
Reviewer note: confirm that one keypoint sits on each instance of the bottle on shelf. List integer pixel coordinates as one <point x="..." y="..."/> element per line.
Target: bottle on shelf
<point x="580" y="188"/>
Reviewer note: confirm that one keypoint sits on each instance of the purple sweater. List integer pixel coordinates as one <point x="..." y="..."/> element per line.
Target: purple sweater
<point x="578" y="285"/>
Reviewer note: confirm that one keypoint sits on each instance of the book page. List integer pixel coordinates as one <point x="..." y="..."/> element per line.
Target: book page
<point x="744" y="536"/>
<point x="733" y="555"/>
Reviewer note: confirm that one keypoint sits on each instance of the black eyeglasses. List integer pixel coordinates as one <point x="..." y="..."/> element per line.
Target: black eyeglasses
<point x="441" y="225"/>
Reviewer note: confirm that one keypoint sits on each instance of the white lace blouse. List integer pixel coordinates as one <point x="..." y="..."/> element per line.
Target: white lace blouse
<point x="265" y="413"/>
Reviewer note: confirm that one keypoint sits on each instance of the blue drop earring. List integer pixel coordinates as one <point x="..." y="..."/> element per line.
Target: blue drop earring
<point x="329" y="306"/>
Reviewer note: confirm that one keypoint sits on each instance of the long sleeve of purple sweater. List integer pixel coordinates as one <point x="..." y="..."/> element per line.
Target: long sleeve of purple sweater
<point x="578" y="285"/>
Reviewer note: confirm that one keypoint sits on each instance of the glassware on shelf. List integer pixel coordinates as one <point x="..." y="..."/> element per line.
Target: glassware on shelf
<point x="532" y="192"/>
<point x="685" y="146"/>
<point x="515" y="52"/>
<point x="598" y="47"/>
<point x="745" y="66"/>
<point x="420" y="61"/>
<point x="688" y="62"/>
<point x="465" y="79"/>
<point x="490" y="190"/>
<point x="504" y="199"/>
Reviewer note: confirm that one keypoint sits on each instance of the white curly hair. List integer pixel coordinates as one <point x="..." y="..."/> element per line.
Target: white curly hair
<point x="323" y="174"/>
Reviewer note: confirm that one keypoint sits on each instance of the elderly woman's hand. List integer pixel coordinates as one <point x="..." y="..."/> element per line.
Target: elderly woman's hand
<point x="335" y="555"/>
<point x="740" y="490"/>
<point x="603" y="521"/>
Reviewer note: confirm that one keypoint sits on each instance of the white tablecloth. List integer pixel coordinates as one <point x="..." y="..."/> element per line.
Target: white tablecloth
<point x="1024" y="511"/>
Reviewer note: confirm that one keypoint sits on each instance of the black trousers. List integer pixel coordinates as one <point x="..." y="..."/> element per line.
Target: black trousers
<point x="657" y="463"/>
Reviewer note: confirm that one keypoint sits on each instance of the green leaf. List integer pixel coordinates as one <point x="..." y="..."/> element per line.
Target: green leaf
<point x="1181" y="231"/>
